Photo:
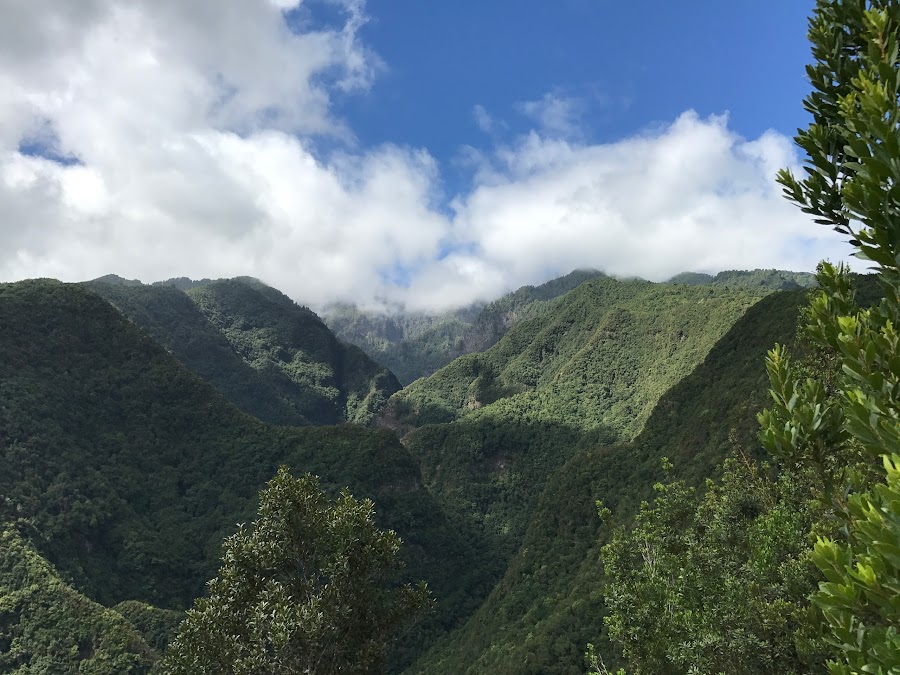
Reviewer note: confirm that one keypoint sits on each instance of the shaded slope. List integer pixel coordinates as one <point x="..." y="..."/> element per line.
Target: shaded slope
<point x="548" y="605"/>
<point x="415" y="345"/>
<point x="132" y="469"/>
<point x="46" y="626"/>
<point x="166" y="314"/>
<point x="270" y="357"/>
<point x="330" y="382"/>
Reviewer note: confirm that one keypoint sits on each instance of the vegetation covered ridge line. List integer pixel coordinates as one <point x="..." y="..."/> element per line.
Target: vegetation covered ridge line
<point x="832" y="427"/>
<point x="269" y="356"/>
<point x="126" y="471"/>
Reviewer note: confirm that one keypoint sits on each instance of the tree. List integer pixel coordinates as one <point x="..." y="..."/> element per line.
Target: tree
<point x="305" y="590"/>
<point x="852" y="184"/>
<point x="834" y="426"/>
<point x="719" y="584"/>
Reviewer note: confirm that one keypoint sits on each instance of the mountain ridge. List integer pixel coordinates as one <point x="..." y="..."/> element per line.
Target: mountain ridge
<point x="416" y="344"/>
<point x="268" y="355"/>
<point x="548" y="604"/>
<point x="129" y="468"/>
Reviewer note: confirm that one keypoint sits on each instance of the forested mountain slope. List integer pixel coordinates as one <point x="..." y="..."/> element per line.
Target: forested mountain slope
<point x="603" y="356"/>
<point x="333" y="382"/>
<point x="171" y="318"/>
<point x="270" y="357"/>
<point x="548" y="605"/>
<point x="757" y="280"/>
<point x="127" y="470"/>
<point x="49" y="627"/>
<point x="414" y="344"/>
<point x="595" y="366"/>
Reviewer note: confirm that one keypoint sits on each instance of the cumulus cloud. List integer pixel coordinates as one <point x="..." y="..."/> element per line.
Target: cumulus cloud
<point x="176" y="139"/>
<point x="691" y="196"/>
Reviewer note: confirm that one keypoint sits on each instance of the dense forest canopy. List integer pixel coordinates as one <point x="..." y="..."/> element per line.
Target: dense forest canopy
<point x="125" y="470"/>
<point x="735" y="577"/>
<point x="592" y="475"/>
<point x="144" y="547"/>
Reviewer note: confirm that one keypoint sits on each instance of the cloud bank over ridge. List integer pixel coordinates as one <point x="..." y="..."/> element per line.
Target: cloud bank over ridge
<point x="160" y="139"/>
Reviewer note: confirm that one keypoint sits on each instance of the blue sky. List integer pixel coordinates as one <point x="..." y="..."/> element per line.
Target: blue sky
<point x="631" y="66"/>
<point x="409" y="152"/>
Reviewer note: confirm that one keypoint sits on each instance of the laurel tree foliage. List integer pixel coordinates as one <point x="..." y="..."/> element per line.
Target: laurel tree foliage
<point x="307" y="589"/>
<point x="852" y="184"/>
<point x="800" y="571"/>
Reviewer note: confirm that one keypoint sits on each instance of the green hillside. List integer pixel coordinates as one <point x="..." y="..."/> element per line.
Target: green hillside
<point x="126" y="470"/>
<point x="586" y="477"/>
<point x="270" y="357"/>
<point x="131" y="470"/>
<point x="497" y="424"/>
<point x="415" y="345"/>
<point x="172" y="319"/>
<point x="756" y="280"/>
<point x="46" y="626"/>
<point x="548" y="605"/>
<point x="601" y="358"/>
<point x="497" y="317"/>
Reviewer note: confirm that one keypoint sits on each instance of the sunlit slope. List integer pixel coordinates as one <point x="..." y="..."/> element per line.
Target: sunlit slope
<point x="757" y="280"/>
<point x="603" y="357"/>
<point x="49" y="627"/>
<point x="595" y="367"/>
<point x="548" y="605"/>
<point x="416" y="344"/>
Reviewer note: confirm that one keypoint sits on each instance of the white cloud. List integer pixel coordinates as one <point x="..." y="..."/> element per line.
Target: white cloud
<point x="483" y="118"/>
<point x="693" y="196"/>
<point x="285" y="4"/>
<point x="555" y="115"/>
<point x="192" y="124"/>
